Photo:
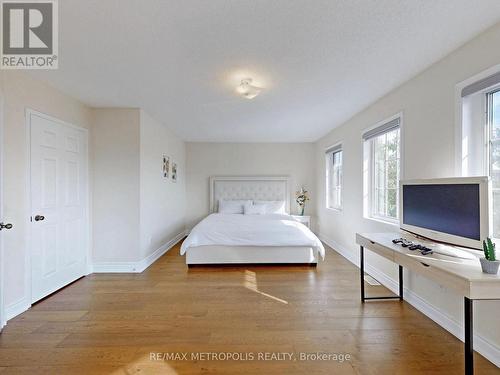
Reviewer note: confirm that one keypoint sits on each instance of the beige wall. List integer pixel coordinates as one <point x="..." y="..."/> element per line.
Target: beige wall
<point x="21" y="91"/>
<point x="428" y="105"/>
<point x="115" y="156"/>
<point x="136" y="211"/>
<point x="162" y="202"/>
<point x="245" y="159"/>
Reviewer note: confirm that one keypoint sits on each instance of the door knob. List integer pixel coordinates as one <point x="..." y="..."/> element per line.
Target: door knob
<point x="5" y="226"/>
<point x="39" y="217"/>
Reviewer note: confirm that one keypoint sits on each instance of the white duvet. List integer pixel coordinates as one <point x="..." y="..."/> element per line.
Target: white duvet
<point x="251" y="230"/>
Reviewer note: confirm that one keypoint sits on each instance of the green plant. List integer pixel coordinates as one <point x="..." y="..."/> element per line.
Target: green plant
<point x="489" y="250"/>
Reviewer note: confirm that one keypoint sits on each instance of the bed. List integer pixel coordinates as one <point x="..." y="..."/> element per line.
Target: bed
<point x="238" y="238"/>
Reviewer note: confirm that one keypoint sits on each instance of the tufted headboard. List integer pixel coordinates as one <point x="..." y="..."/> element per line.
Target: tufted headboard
<point x="265" y="188"/>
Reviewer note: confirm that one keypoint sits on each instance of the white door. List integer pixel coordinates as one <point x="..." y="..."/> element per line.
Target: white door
<point x="58" y="204"/>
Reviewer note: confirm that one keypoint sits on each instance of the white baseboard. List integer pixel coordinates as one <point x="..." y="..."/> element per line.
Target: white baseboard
<point x="140" y="266"/>
<point x="16" y="308"/>
<point x="115" y="267"/>
<point x="486" y="348"/>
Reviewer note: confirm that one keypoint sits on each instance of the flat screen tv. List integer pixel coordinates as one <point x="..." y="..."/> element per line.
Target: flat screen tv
<point x="450" y="210"/>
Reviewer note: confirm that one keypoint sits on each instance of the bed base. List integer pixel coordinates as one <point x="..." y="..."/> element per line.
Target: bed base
<point x="252" y="265"/>
<point x="251" y="255"/>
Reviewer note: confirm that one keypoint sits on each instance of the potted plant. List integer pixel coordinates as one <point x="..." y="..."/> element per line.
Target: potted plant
<point x="301" y="197"/>
<point x="489" y="263"/>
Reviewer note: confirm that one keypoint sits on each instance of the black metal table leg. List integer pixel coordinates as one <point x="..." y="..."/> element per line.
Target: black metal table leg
<point x="468" y="338"/>
<point x="400" y="283"/>
<point x="362" y="279"/>
<point x="362" y="272"/>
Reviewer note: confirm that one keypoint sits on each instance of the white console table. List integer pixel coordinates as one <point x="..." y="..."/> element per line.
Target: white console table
<point x="464" y="276"/>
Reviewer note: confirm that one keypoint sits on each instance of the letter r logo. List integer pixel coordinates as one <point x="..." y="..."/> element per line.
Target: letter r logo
<point x="27" y="28"/>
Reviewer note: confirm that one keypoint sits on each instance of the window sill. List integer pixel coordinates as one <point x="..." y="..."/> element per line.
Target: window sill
<point x="382" y="221"/>
<point x="334" y="209"/>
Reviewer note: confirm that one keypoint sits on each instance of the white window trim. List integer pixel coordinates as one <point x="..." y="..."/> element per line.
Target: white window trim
<point x="459" y="145"/>
<point x="487" y="121"/>
<point x="327" y="178"/>
<point x="368" y="178"/>
<point x="458" y="113"/>
<point x="487" y="150"/>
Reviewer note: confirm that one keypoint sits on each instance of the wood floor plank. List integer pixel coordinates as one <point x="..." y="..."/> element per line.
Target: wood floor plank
<point x="102" y="356"/>
<point x="35" y="315"/>
<point x="30" y="340"/>
<point x="118" y="323"/>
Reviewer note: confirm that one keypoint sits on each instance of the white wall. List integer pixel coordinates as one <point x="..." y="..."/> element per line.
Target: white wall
<point x="428" y="135"/>
<point x="136" y="211"/>
<point x="162" y="202"/>
<point x="246" y="159"/>
<point x="115" y="182"/>
<point x="21" y="91"/>
<point x="115" y="156"/>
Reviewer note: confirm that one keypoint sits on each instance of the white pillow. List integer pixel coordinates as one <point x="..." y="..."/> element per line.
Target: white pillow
<point x="272" y="207"/>
<point x="232" y="207"/>
<point x="254" y="209"/>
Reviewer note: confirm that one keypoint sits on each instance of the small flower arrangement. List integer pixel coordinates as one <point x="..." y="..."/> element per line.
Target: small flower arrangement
<point x="301" y="197"/>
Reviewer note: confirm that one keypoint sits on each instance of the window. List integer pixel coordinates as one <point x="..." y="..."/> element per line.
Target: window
<point x="493" y="106"/>
<point x="480" y="131"/>
<point x="334" y="177"/>
<point x="382" y="159"/>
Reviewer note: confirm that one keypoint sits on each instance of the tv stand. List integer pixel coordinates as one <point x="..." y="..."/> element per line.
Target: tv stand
<point x="440" y="248"/>
<point x="454" y="253"/>
<point x="464" y="276"/>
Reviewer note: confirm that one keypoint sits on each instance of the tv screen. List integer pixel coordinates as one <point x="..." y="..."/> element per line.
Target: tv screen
<point x="449" y="208"/>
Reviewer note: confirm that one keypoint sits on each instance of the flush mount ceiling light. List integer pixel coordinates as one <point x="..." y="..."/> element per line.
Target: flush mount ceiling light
<point x="247" y="90"/>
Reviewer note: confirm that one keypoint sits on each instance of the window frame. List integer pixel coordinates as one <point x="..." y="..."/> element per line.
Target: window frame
<point x="464" y="124"/>
<point x="369" y="171"/>
<point x="330" y="167"/>
<point x="488" y="160"/>
<point x="489" y="119"/>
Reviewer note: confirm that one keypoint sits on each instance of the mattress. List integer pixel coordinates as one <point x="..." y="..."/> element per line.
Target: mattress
<point x="252" y="231"/>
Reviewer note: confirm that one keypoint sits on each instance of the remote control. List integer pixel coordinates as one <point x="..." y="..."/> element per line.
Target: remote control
<point x="412" y="246"/>
<point x="406" y="243"/>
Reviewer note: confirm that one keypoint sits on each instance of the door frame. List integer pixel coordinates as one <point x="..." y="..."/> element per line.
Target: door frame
<point x="2" y="256"/>
<point x="29" y="273"/>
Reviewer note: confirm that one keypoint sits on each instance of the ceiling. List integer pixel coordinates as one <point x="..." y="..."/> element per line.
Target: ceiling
<point x="320" y="62"/>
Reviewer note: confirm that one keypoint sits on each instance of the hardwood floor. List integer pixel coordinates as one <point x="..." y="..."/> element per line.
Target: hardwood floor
<point x="114" y="323"/>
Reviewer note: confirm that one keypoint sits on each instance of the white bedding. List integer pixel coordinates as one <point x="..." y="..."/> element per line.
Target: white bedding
<point x="251" y="230"/>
